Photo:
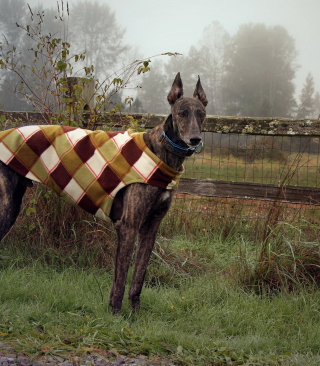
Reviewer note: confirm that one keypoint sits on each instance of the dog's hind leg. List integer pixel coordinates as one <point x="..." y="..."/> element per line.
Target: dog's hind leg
<point x="12" y="189"/>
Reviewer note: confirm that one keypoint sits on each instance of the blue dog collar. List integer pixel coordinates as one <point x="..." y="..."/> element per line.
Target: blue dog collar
<point x="177" y="149"/>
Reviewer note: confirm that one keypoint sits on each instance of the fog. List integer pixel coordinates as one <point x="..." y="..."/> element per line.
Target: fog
<point x="254" y="57"/>
<point x="165" y="25"/>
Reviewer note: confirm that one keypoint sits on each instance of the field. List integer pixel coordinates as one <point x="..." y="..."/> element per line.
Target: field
<point x="206" y="320"/>
<point x="231" y="282"/>
<point x="216" y="293"/>
<point x="294" y="169"/>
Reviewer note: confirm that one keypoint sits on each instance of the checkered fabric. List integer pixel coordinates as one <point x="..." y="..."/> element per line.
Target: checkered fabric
<point x="85" y="167"/>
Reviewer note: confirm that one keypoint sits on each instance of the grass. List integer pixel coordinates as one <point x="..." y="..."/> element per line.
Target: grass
<point x="297" y="169"/>
<point x="239" y="285"/>
<point x="202" y="315"/>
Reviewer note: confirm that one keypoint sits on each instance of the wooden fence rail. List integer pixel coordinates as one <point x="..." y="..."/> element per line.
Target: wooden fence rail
<point x="217" y="124"/>
<point x="222" y="125"/>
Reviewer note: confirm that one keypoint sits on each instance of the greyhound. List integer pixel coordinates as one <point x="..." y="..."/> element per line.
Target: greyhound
<point x="138" y="208"/>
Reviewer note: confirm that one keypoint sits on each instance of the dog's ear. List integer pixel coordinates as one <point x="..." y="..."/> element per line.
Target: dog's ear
<point x="200" y="94"/>
<point x="167" y="126"/>
<point x="176" y="91"/>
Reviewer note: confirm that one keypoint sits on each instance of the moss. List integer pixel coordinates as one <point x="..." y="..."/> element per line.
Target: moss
<point x="291" y="132"/>
<point x="247" y="129"/>
<point x="226" y="129"/>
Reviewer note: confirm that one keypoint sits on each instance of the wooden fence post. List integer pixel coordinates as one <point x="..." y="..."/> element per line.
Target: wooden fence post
<point x="84" y="94"/>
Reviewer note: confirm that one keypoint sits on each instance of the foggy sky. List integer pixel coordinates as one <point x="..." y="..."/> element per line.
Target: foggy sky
<point x="158" y="26"/>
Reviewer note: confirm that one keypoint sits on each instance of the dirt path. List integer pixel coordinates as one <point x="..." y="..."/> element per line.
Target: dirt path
<point x="8" y="357"/>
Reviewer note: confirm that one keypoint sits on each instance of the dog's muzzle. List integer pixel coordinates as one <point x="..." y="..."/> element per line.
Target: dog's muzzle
<point x="179" y="150"/>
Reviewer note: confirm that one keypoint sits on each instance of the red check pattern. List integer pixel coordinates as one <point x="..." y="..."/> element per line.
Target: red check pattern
<point x="85" y="167"/>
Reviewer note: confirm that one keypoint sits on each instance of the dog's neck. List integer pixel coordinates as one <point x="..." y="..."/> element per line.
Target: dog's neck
<point x="153" y="141"/>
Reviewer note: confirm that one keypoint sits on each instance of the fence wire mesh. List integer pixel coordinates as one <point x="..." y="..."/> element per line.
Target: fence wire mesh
<point x="278" y="160"/>
<point x="260" y="159"/>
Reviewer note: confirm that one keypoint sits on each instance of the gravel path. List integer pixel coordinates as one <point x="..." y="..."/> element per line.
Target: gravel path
<point x="10" y="358"/>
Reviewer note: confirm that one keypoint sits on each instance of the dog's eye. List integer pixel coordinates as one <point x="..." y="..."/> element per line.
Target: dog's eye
<point x="201" y="113"/>
<point x="182" y="113"/>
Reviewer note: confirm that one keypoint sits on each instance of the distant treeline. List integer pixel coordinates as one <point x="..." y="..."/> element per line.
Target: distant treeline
<point x="250" y="73"/>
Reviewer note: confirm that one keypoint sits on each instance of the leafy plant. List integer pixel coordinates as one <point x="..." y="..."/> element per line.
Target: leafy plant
<point x="53" y="85"/>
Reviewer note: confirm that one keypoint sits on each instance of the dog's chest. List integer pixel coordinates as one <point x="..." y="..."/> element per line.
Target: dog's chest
<point x="165" y="196"/>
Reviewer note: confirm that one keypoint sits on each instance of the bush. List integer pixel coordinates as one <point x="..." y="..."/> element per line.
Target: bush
<point x="282" y="265"/>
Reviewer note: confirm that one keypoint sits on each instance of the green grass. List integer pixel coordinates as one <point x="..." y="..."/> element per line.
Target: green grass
<point x="194" y="309"/>
<point x="297" y="169"/>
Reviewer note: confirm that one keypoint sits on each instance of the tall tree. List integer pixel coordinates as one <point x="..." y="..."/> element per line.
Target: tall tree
<point x="31" y="72"/>
<point x="179" y="64"/>
<point x="135" y="107"/>
<point x="43" y="56"/>
<point x="205" y="59"/>
<point x="316" y="105"/>
<point x="154" y="89"/>
<point x="260" y="71"/>
<point x="12" y="12"/>
<point x="306" y="105"/>
<point x="211" y="57"/>
<point x="94" y="29"/>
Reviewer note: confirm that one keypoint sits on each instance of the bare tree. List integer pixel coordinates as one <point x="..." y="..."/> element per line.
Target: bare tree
<point x="207" y="60"/>
<point x="212" y="56"/>
<point x="153" y="89"/>
<point x="12" y="12"/>
<point x="93" y="29"/>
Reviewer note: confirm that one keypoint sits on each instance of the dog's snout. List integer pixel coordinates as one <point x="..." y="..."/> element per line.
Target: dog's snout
<point x="195" y="140"/>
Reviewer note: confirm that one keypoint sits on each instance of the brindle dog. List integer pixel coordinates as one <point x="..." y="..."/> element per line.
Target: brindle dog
<point x="138" y="208"/>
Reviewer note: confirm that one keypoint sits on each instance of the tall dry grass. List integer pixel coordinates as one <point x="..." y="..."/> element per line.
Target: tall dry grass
<point x="53" y="230"/>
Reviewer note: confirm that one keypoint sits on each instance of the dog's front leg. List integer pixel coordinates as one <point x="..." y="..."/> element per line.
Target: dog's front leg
<point x="126" y="238"/>
<point x="147" y="236"/>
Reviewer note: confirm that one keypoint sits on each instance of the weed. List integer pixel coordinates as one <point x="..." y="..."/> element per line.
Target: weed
<point x="282" y="263"/>
<point x="51" y="230"/>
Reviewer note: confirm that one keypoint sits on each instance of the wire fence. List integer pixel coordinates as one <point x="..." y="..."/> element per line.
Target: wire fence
<point x="255" y="153"/>
<point x="261" y="159"/>
<point x="258" y="159"/>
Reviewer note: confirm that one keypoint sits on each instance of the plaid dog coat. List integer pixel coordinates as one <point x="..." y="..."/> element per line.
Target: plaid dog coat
<point x="84" y="167"/>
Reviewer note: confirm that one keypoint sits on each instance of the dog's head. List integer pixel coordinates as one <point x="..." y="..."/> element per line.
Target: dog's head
<point x="187" y="114"/>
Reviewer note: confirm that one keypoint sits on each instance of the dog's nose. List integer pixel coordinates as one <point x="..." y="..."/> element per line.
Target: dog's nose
<point x="195" y="140"/>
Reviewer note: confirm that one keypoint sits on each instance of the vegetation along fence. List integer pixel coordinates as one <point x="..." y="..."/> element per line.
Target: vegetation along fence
<point x="253" y="175"/>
